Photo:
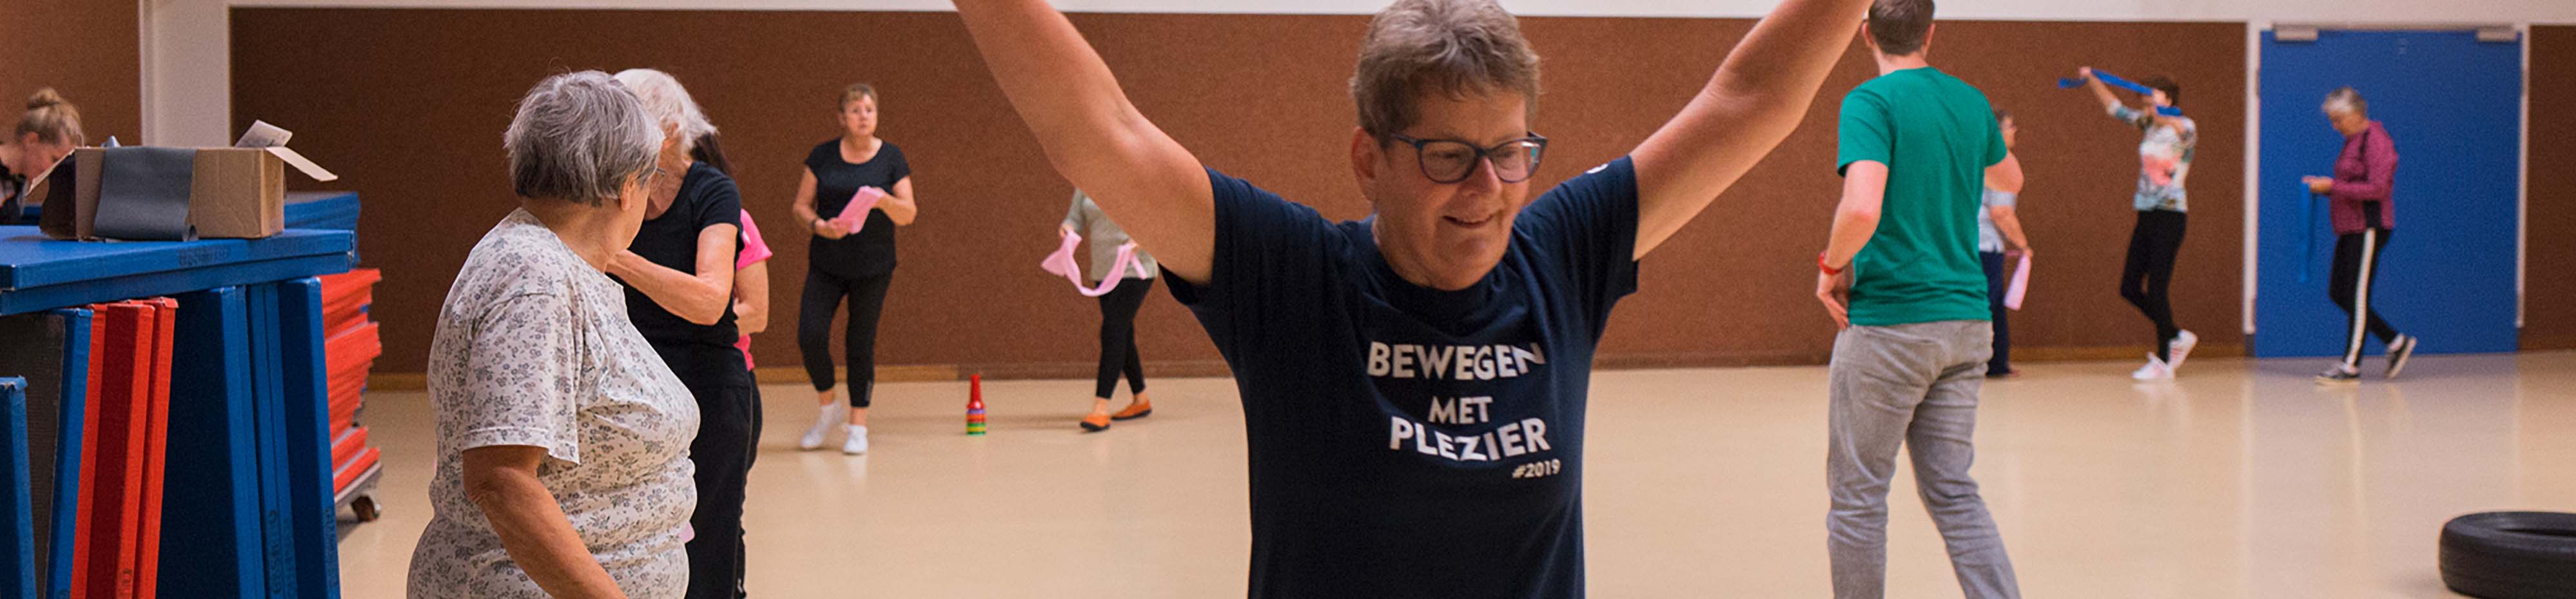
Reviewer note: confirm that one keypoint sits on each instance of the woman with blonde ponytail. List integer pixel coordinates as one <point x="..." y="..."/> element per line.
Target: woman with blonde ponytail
<point x="46" y="133"/>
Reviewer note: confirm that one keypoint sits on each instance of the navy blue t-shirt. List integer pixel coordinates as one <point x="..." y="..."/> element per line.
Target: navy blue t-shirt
<point x="1408" y="442"/>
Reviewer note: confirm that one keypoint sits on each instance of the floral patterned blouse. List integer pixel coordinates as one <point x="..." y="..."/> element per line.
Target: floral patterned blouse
<point x="533" y="348"/>
<point x="2164" y="158"/>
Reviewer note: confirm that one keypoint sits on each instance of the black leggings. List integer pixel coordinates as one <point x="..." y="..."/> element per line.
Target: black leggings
<point x="2356" y="272"/>
<point x="823" y="293"/>
<point x="728" y="439"/>
<point x="1998" y="280"/>
<point x="2147" y="280"/>
<point x="1118" y="337"/>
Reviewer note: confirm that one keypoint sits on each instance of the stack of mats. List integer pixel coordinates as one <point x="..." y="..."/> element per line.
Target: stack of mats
<point x="86" y="424"/>
<point x="351" y="346"/>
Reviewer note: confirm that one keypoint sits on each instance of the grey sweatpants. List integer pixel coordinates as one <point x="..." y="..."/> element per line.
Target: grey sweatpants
<point x="1909" y="385"/>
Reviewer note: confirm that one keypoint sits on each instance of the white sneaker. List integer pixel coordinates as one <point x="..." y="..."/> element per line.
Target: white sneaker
<point x="2180" y="348"/>
<point x="824" y="420"/>
<point x="858" y="442"/>
<point x="2155" y="370"/>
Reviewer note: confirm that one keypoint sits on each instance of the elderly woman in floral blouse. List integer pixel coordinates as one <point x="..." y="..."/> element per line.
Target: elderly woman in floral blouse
<point x="563" y="440"/>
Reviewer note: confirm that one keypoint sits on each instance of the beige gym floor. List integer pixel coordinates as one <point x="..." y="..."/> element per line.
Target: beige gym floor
<point x="2241" y="480"/>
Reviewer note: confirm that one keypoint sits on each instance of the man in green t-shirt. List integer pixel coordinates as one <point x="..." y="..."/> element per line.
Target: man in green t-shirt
<point x="1902" y="277"/>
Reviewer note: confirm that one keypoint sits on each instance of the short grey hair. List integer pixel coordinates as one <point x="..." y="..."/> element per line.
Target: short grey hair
<point x="2347" y="99"/>
<point x="1459" y="48"/>
<point x="669" y="103"/>
<point x="580" y="137"/>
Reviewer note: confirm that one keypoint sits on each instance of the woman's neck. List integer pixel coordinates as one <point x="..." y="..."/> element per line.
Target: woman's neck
<point x="662" y="204"/>
<point x="584" y="228"/>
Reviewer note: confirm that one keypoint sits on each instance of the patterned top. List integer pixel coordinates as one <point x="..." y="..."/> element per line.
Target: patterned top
<point x="1990" y="239"/>
<point x="1104" y="236"/>
<point x="2164" y="158"/>
<point x="533" y="348"/>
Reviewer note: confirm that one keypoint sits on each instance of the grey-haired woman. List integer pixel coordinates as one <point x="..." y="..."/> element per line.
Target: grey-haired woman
<point x="563" y="440"/>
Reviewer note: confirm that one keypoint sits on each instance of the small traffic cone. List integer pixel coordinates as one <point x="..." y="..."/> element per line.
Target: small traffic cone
<point x="975" y="404"/>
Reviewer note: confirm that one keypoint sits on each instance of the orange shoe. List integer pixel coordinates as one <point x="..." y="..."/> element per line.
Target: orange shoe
<point x="1095" y="422"/>
<point x="1134" y="410"/>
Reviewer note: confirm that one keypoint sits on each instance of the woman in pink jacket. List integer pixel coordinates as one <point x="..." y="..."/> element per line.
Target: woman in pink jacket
<point x="2364" y="213"/>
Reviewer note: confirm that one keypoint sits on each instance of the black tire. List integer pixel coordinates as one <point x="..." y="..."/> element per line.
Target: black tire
<point x="365" y="509"/>
<point x="2510" y="555"/>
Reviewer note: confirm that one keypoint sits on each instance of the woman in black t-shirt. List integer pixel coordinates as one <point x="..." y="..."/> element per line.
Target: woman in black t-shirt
<point x="45" y="134"/>
<point x="843" y="263"/>
<point x="679" y="276"/>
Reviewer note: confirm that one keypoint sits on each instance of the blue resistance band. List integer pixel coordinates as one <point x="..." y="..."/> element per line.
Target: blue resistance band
<point x="2308" y="257"/>
<point x="2116" y="81"/>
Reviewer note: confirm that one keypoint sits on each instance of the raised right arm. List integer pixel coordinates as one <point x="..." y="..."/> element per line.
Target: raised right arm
<point x="1093" y="136"/>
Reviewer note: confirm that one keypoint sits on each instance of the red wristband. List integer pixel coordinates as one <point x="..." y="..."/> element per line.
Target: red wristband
<point x="1828" y="270"/>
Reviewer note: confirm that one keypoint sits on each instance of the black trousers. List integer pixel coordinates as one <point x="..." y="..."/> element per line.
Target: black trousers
<point x="1118" y="337"/>
<point x="823" y="295"/>
<point x="2356" y="272"/>
<point x="2147" y="280"/>
<point x="728" y="439"/>
<point x="1997" y="282"/>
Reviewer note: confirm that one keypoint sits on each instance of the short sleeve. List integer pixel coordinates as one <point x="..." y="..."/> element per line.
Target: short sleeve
<point x="900" y="170"/>
<point x="721" y="204"/>
<point x="1864" y="132"/>
<point x="524" y="378"/>
<point x="1270" y="262"/>
<point x="754" y="249"/>
<point x="1995" y="148"/>
<point x="2130" y="115"/>
<point x="814" y="158"/>
<point x="2003" y="199"/>
<point x="1586" y="228"/>
<point x="1074" y="215"/>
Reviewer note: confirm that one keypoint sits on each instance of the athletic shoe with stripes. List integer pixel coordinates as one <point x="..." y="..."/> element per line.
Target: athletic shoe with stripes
<point x="2180" y="349"/>
<point x="2339" y="375"/>
<point x="2155" y="370"/>
<point x="2398" y="353"/>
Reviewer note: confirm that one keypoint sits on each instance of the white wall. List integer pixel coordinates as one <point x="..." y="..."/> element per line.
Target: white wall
<point x="187" y="63"/>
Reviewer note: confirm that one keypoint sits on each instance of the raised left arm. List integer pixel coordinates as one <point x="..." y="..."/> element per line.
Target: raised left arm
<point x="1753" y="102"/>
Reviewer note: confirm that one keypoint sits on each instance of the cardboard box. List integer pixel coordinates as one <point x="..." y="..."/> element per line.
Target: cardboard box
<point x="232" y="192"/>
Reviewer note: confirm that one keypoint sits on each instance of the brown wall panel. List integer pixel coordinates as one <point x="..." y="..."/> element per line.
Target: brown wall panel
<point x="86" y="49"/>
<point x="2550" y="319"/>
<point x="408" y="105"/>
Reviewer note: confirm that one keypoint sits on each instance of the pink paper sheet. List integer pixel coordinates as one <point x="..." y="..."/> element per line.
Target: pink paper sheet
<point x="2020" y="285"/>
<point x="855" y="216"/>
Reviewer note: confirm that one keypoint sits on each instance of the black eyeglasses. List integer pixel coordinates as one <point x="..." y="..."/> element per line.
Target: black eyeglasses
<point x="1447" y="161"/>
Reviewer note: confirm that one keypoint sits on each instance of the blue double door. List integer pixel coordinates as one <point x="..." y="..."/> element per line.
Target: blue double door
<point x="2453" y="104"/>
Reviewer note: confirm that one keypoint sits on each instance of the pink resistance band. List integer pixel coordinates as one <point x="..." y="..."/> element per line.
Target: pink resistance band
<point x="1061" y="262"/>
<point x="2020" y="285"/>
